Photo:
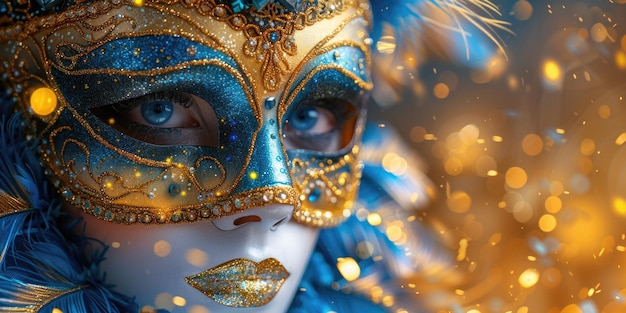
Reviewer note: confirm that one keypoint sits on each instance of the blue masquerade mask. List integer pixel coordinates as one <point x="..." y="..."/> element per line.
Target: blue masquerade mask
<point x="172" y="112"/>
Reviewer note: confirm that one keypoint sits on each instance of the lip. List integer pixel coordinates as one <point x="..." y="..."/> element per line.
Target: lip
<point x="241" y="282"/>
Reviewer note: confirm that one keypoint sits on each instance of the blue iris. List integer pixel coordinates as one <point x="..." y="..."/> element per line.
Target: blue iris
<point x="304" y="118"/>
<point x="157" y="112"/>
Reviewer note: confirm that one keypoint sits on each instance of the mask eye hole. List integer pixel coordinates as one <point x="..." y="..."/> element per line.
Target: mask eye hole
<point x="325" y="125"/>
<point x="164" y="118"/>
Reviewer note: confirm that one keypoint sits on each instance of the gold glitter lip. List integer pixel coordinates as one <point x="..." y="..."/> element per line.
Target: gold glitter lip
<point x="241" y="282"/>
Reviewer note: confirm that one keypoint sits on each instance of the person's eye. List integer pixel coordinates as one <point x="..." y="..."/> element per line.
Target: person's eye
<point x="311" y="119"/>
<point x="324" y="125"/>
<point x="164" y="118"/>
<point x="162" y="113"/>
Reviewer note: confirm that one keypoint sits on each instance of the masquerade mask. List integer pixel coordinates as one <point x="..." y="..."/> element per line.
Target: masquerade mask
<point x="168" y="111"/>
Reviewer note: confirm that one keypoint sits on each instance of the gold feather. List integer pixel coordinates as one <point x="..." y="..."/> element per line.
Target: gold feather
<point x="9" y="204"/>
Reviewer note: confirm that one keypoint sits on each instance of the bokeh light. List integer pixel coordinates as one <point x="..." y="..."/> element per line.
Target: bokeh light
<point x="528" y="155"/>
<point x="349" y="268"/>
<point x="179" y="301"/>
<point x="43" y="101"/>
<point x="522" y="10"/>
<point x="516" y="177"/>
<point x="532" y="144"/>
<point x="162" y="248"/>
<point x="528" y="278"/>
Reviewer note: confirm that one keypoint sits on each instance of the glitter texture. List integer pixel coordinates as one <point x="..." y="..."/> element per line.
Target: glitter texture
<point x="241" y="282"/>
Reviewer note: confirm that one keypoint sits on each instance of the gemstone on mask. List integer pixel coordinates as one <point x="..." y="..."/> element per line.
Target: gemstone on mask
<point x="237" y="6"/>
<point x="205" y="213"/>
<point x="174" y="190"/>
<point x="237" y="21"/>
<point x="314" y="195"/>
<point x="191" y="51"/>
<point x="274" y="36"/>
<point x="270" y="102"/>
<point x="146" y="218"/>
<point x="219" y="11"/>
<point x="161" y="218"/>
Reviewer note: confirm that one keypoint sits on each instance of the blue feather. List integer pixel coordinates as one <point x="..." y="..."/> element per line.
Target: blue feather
<point x="42" y="262"/>
<point x="38" y="264"/>
<point x="29" y="185"/>
<point x="9" y="227"/>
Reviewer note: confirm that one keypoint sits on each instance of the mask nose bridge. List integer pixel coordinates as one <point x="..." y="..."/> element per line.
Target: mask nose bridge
<point x="269" y="164"/>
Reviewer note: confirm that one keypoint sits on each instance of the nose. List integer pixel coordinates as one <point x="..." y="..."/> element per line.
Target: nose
<point x="268" y="217"/>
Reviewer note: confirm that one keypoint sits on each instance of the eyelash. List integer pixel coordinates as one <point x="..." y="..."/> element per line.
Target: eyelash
<point x="340" y="109"/>
<point x="134" y="129"/>
<point x="179" y="98"/>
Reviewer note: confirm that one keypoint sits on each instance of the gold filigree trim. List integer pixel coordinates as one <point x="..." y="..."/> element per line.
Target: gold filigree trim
<point x="214" y="209"/>
<point x="330" y="180"/>
<point x="268" y="31"/>
<point x="320" y="49"/>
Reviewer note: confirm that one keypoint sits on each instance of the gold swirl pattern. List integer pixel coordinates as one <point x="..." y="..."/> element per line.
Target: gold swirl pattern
<point x="268" y="42"/>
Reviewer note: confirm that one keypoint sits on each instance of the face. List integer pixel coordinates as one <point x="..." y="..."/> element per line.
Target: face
<point x="205" y="145"/>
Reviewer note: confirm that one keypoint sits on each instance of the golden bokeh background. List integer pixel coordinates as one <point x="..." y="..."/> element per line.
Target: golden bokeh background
<point x="528" y="157"/>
